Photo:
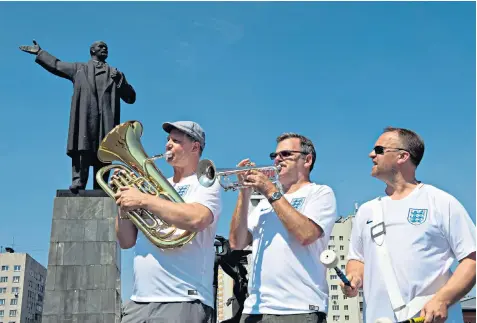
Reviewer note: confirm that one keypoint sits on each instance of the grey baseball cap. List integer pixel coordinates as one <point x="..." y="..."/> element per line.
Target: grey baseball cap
<point x="189" y="127"/>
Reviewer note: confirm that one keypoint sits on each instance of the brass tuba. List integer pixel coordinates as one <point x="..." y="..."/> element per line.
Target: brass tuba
<point x="123" y="144"/>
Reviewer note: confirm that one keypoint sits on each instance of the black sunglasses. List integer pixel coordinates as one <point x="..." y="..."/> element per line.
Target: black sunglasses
<point x="285" y="153"/>
<point x="379" y="150"/>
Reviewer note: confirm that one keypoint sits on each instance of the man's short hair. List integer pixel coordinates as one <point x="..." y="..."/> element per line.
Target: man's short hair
<point x="305" y="143"/>
<point x="411" y="141"/>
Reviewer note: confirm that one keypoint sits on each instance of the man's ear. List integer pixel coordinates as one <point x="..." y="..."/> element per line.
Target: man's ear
<point x="308" y="159"/>
<point x="196" y="146"/>
<point x="403" y="157"/>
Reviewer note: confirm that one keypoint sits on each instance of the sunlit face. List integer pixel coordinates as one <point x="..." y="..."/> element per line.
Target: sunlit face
<point x="390" y="151"/>
<point x="288" y="155"/>
<point x="180" y="147"/>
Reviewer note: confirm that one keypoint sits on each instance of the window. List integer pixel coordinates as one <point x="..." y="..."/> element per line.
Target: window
<point x="3" y="279"/>
<point x="341" y="247"/>
<point x="2" y="301"/>
<point x="336" y="317"/>
<point x="1" y="313"/>
<point x="336" y="307"/>
<point x="15" y="289"/>
<point x="4" y="268"/>
<point x="341" y="238"/>
<point x="16" y="279"/>
<point x="3" y="290"/>
<point x="334" y="297"/>
<point x="13" y="313"/>
<point x="331" y="247"/>
<point x="333" y="277"/>
<point x="346" y="317"/>
<point x="343" y="267"/>
<point x="332" y="238"/>
<point x="334" y="287"/>
<point x="345" y="297"/>
<point x="346" y="307"/>
<point x="17" y="268"/>
<point x="14" y="301"/>
<point x="341" y="257"/>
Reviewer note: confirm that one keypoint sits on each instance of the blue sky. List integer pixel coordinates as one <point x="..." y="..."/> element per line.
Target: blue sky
<point x="336" y="72"/>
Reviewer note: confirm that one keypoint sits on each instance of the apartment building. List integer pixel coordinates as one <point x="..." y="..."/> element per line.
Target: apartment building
<point x="341" y="308"/>
<point x="22" y="285"/>
<point x="225" y="285"/>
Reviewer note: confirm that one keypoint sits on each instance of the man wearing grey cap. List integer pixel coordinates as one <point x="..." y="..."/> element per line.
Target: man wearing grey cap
<point x="174" y="285"/>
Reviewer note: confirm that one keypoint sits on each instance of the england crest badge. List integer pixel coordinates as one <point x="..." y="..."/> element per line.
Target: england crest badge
<point x="417" y="216"/>
<point x="297" y="202"/>
<point x="182" y="190"/>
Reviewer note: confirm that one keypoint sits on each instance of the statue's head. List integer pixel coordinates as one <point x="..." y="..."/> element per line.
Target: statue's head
<point x="99" y="50"/>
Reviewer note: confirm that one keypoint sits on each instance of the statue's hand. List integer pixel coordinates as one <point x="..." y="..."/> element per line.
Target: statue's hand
<point x="31" y="49"/>
<point x="115" y="74"/>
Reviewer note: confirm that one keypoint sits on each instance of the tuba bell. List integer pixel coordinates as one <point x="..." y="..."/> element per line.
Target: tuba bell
<point x="138" y="170"/>
<point x="229" y="178"/>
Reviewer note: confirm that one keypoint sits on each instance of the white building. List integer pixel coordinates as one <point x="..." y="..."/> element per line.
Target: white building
<point x="342" y="309"/>
<point x="225" y="285"/>
<point x="22" y="285"/>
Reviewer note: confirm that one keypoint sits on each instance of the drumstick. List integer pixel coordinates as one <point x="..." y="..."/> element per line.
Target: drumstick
<point x="329" y="259"/>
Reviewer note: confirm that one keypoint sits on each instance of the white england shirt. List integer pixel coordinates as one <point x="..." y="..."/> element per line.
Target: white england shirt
<point x="425" y="232"/>
<point x="286" y="277"/>
<point x="183" y="274"/>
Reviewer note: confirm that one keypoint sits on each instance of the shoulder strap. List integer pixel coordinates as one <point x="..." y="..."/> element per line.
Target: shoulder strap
<point x="378" y="234"/>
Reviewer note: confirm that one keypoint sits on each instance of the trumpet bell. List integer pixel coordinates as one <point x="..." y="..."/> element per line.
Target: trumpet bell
<point x="206" y="173"/>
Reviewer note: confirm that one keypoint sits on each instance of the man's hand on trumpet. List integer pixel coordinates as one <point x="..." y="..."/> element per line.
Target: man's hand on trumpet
<point x="259" y="181"/>
<point x="246" y="192"/>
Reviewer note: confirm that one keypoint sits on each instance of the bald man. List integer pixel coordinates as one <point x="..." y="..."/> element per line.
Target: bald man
<point x="95" y="105"/>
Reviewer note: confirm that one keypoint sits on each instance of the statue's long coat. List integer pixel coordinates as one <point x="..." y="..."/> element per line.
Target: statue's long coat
<point x="92" y="114"/>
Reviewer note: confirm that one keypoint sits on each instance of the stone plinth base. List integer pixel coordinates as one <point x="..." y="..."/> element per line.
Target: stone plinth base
<point x="84" y="264"/>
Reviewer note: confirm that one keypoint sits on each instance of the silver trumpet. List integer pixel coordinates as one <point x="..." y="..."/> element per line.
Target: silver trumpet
<point x="207" y="174"/>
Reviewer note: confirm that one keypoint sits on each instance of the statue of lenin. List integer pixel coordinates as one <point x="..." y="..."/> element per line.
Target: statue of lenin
<point x="98" y="89"/>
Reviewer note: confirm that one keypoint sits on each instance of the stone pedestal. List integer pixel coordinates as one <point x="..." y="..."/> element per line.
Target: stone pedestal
<point x="83" y="283"/>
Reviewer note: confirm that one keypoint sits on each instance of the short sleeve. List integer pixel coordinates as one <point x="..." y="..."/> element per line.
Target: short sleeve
<point x="210" y="197"/>
<point x="459" y="229"/>
<point x="321" y="209"/>
<point x="355" y="251"/>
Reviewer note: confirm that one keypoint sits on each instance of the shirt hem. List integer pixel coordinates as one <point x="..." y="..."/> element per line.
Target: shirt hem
<point x="163" y="299"/>
<point x="280" y="312"/>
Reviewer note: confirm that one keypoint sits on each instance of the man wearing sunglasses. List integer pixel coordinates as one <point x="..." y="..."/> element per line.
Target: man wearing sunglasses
<point x="404" y="243"/>
<point x="288" y="231"/>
